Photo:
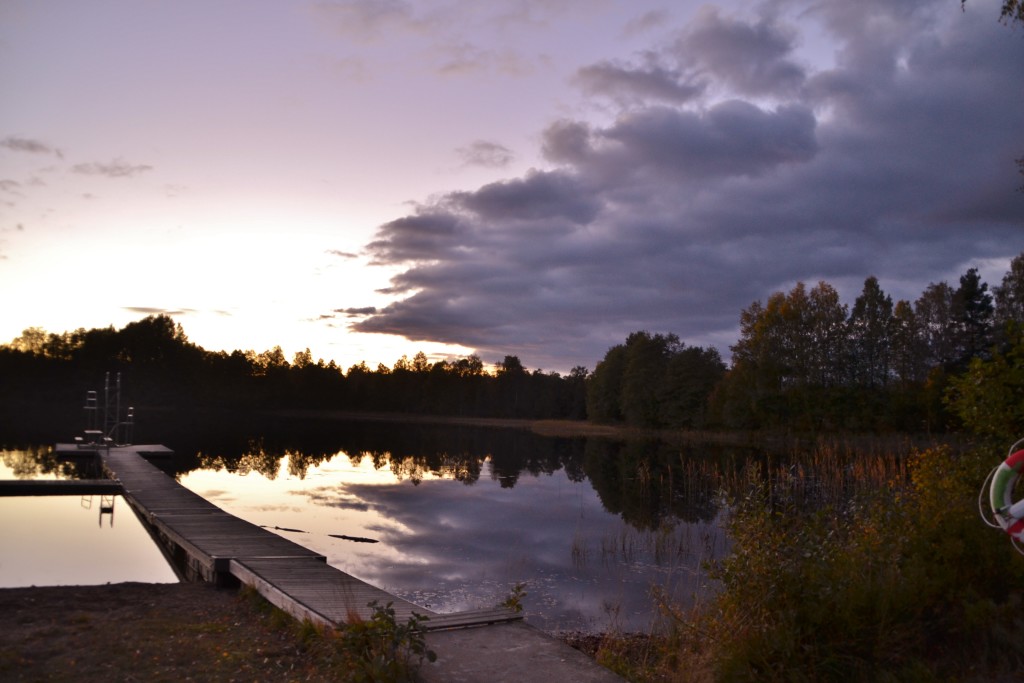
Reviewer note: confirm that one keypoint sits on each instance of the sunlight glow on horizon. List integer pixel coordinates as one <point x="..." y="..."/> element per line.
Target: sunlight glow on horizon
<point x="548" y="177"/>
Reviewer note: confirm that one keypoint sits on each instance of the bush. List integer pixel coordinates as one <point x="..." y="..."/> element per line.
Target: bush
<point x="903" y="584"/>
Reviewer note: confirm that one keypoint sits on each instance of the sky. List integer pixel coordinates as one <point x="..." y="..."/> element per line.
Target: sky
<point x="374" y="178"/>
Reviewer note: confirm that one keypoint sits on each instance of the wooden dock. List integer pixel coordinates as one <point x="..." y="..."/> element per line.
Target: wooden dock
<point x="212" y="545"/>
<point x="218" y="547"/>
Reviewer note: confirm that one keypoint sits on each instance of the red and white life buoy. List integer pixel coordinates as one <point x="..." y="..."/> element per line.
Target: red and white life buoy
<point x="1008" y="514"/>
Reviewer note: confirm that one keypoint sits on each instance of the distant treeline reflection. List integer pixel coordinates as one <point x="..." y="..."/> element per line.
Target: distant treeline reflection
<point x="648" y="482"/>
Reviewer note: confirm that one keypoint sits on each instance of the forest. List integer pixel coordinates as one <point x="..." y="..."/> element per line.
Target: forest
<point x="804" y="361"/>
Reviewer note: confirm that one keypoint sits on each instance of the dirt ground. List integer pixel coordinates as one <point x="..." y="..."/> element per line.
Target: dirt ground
<point x="159" y="632"/>
<point x="148" y="632"/>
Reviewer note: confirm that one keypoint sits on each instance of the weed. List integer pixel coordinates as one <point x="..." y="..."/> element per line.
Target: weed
<point x="381" y="648"/>
<point x="514" y="601"/>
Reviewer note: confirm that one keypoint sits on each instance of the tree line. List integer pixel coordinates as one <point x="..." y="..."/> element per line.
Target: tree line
<point x="803" y="361"/>
<point x="160" y="367"/>
<point x="806" y="361"/>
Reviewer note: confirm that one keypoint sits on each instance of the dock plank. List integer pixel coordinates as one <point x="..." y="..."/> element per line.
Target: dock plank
<point x="318" y="591"/>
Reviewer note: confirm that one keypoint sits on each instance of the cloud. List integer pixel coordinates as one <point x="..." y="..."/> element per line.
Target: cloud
<point x="149" y="310"/>
<point x="485" y="153"/>
<point x="112" y="169"/>
<point x="356" y="312"/>
<point x="342" y="254"/>
<point x="538" y="196"/>
<point x="648" y="21"/>
<point x="20" y="144"/>
<point x="743" y="58"/>
<point x="366" y="20"/>
<point x="157" y="310"/>
<point x="749" y="58"/>
<point x="895" y="159"/>
<point x="351" y="312"/>
<point x="730" y="138"/>
<point x="629" y="84"/>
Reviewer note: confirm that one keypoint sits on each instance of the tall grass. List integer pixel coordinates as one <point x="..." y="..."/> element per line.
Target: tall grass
<point x="855" y="567"/>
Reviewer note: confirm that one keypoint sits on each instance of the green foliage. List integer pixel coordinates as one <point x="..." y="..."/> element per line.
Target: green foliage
<point x="654" y="381"/>
<point x="382" y="649"/>
<point x="989" y="397"/>
<point x="904" y="584"/>
<point x="514" y="601"/>
<point x="801" y="365"/>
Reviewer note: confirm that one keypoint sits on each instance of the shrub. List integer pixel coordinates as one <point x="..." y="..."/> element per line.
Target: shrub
<point x="905" y="583"/>
<point x="381" y="649"/>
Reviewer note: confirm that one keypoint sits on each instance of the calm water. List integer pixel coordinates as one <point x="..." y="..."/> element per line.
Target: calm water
<point x="71" y="540"/>
<point x="459" y="516"/>
<point x="449" y="546"/>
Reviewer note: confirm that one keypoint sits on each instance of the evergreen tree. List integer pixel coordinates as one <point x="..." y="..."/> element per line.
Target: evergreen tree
<point x="973" y="308"/>
<point x="871" y="329"/>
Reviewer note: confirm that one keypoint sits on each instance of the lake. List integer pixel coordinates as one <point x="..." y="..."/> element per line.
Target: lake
<point x="452" y="517"/>
<point x="70" y="540"/>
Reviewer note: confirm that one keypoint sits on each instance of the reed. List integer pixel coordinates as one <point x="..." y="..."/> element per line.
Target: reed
<point x="850" y="565"/>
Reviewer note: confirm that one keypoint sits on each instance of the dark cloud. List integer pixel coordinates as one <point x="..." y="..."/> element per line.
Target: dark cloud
<point x="730" y="138"/>
<point x="749" y="58"/>
<point x="357" y="312"/>
<point x="416" y="237"/>
<point x="342" y="254"/>
<point x="629" y="84"/>
<point x="894" y="160"/>
<point x="20" y="144"/>
<point x="485" y="153"/>
<point x="112" y="169"/>
<point x="538" y="196"/>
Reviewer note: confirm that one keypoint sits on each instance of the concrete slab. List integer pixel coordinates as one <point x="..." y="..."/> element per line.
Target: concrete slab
<point x="508" y="653"/>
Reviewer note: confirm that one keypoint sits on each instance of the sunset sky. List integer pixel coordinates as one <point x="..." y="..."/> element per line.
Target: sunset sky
<point x="540" y="178"/>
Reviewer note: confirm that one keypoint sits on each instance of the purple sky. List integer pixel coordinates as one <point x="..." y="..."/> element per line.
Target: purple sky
<point x="534" y="178"/>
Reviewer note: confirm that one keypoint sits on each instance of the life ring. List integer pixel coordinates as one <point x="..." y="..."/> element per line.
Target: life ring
<point x="1008" y="514"/>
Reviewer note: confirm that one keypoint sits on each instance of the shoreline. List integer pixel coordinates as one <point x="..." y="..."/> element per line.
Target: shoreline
<point x="168" y="631"/>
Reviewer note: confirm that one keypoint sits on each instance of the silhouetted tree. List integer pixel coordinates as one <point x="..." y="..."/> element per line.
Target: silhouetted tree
<point x="936" y="318"/>
<point x="871" y="331"/>
<point x="1009" y="298"/>
<point x="973" y="308"/>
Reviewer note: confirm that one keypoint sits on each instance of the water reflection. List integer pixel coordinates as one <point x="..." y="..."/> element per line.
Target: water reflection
<point x="645" y="481"/>
<point x="449" y="546"/>
<point x="461" y="515"/>
<point x="70" y="540"/>
<point x="75" y="540"/>
<point x="42" y="462"/>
